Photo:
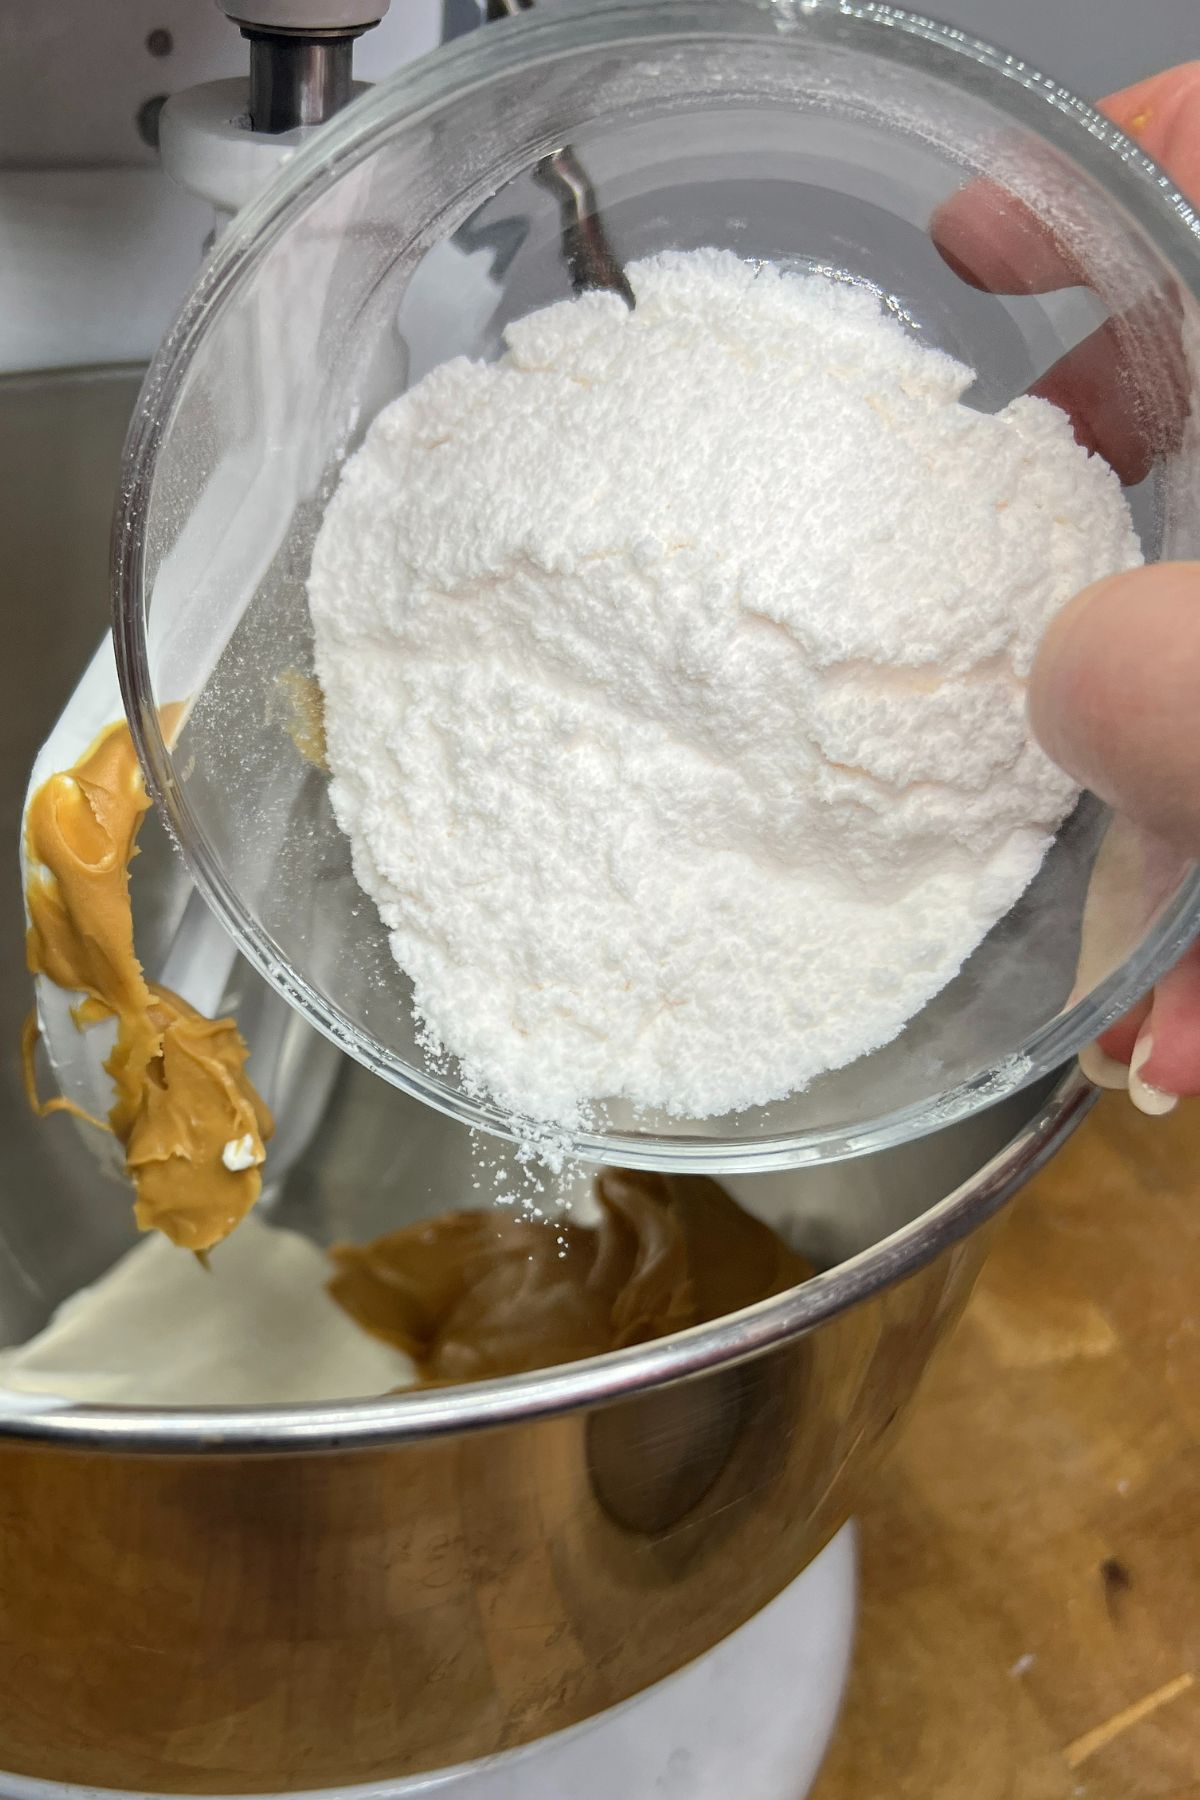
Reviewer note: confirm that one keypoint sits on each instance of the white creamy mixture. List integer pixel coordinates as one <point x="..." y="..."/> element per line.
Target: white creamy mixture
<point x="674" y="681"/>
<point x="256" y="1328"/>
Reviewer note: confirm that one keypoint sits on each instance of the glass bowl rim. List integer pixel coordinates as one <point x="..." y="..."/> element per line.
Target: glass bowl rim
<point x="1112" y="160"/>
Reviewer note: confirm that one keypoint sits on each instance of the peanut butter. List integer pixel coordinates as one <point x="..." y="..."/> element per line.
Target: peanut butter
<point x="476" y="1294"/>
<point x="184" y="1107"/>
<point x="303" y="708"/>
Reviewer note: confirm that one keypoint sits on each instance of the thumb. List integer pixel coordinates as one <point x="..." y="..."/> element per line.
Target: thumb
<point x="1114" y="697"/>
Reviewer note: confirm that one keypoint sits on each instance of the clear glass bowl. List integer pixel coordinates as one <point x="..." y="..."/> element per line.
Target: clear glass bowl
<point x="817" y="133"/>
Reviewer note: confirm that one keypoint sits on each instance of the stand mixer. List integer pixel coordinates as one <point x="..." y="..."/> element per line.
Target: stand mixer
<point x="620" y="1576"/>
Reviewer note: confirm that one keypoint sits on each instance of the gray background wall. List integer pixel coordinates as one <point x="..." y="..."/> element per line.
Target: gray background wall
<point x="1090" y="45"/>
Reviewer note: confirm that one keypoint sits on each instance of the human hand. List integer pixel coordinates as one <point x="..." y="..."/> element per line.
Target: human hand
<point x="1114" y="695"/>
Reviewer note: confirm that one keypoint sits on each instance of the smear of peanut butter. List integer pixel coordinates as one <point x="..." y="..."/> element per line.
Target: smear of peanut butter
<point x="183" y="1101"/>
<point x="476" y="1294"/>
<point x="303" y="707"/>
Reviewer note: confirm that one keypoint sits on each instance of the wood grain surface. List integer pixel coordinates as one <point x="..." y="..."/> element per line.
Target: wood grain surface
<point x="1030" y="1623"/>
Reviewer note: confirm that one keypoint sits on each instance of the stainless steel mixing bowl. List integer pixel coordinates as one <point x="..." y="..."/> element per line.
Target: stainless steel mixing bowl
<point x="248" y="1601"/>
<point x="254" y="1601"/>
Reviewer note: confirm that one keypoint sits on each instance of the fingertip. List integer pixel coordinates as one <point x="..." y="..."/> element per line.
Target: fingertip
<point x="1154" y="1101"/>
<point x="954" y="262"/>
<point x="1112" y="696"/>
<point x="1166" y="1057"/>
<point x="996" y="242"/>
<point x="1118" y="1042"/>
<point x="1160" y="114"/>
<point x="1065" y="700"/>
<point x="1102" y="1070"/>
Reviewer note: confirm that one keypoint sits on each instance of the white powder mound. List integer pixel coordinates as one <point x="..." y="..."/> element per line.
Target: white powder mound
<point x="674" y="677"/>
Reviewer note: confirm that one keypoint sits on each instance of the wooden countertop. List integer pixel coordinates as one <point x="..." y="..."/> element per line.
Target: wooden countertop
<point x="1030" y="1622"/>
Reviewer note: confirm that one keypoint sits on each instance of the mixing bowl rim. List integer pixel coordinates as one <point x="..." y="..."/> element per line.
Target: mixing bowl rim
<point x="1066" y="121"/>
<point x="417" y="1416"/>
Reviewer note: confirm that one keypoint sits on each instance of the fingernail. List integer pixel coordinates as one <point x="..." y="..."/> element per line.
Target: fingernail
<point x="1145" y="1096"/>
<point x="1102" y="1070"/>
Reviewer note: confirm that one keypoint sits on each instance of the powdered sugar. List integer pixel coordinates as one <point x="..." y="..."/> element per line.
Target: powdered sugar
<point x="674" y="683"/>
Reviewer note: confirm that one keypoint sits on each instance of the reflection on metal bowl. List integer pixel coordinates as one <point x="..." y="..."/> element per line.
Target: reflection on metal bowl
<point x="304" y="1597"/>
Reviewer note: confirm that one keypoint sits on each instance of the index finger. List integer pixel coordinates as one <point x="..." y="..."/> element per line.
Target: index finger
<point x="996" y="241"/>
